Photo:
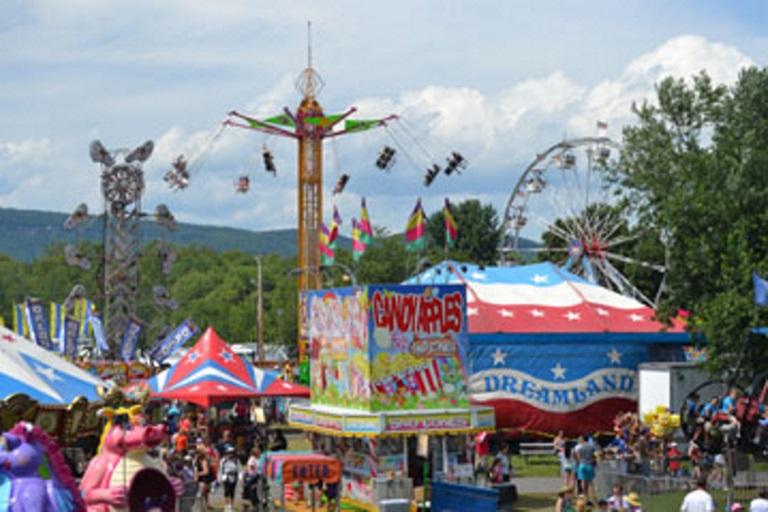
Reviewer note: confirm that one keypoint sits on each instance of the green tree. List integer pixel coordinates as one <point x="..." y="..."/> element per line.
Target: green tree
<point x="694" y="167"/>
<point x="478" y="233"/>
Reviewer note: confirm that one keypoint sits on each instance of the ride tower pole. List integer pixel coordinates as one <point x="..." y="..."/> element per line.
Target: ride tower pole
<point x="309" y="126"/>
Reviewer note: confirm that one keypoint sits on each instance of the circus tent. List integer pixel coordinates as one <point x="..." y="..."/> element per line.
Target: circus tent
<point x="552" y="351"/>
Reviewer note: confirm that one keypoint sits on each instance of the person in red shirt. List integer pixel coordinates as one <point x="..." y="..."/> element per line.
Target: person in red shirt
<point x="674" y="459"/>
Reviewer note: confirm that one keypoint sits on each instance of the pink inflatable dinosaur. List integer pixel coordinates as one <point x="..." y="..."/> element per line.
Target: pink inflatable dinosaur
<point x="122" y="474"/>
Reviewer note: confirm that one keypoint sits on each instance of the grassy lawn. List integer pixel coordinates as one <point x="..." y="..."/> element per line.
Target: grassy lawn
<point x="537" y="465"/>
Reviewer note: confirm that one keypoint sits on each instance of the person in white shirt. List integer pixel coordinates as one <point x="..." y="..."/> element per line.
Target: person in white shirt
<point x="760" y="504"/>
<point x="699" y="499"/>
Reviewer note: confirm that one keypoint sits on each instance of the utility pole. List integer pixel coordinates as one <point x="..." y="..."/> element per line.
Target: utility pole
<point x="260" y="307"/>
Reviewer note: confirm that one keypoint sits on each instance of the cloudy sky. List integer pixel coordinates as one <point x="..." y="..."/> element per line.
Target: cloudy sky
<point x="496" y="80"/>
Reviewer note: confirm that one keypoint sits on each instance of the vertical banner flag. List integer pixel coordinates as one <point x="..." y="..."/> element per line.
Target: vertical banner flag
<point x="358" y="245"/>
<point x="175" y="340"/>
<point x="130" y="340"/>
<point x="327" y="254"/>
<point x="70" y="337"/>
<point x="38" y="323"/>
<point x="366" y="230"/>
<point x="98" y="334"/>
<point x="761" y="289"/>
<point x="337" y="217"/>
<point x="451" y="231"/>
<point x="415" y="230"/>
<point x="56" y="324"/>
<point x="20" y="326"/>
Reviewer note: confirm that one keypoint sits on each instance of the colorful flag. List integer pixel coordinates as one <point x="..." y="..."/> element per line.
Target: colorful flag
<point x="761" y="289"/>
<point x="98" y="335"/>
<point x="70" y="334"/>
<point x="366" y="231"/>
<point x="131" y="337"/>
<point x="38" y="323"/>
<point x="451" y="230"/>
<point x="327" y="254"/>
<point x="171" y="343"/>
<point x="358" y="245"/>
<point x="337" y="217"/>
<point x="415" y="230"/>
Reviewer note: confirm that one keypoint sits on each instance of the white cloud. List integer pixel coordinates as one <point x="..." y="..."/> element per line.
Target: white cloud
<point x="680" y="57"/>
<point x="31" y="151"/>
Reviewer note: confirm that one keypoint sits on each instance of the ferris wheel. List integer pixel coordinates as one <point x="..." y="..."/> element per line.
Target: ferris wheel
<point x="564" y="205"/>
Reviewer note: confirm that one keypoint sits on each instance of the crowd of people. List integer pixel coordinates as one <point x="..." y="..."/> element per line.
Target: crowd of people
<point x="207" y="452"/>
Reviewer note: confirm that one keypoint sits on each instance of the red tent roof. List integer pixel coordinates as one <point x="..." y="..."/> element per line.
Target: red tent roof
<point x="212" y="372"/>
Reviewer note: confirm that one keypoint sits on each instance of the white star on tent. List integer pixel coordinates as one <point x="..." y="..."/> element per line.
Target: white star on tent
<point x="506" y="313"/>
<point x="614" y="355"/>
<point x="227" y="356"/>
<point x="471" y="311"/>
<point x="558" y="371"/>
<point x="602" y="312"/>
<point x="221" y="388"/>
<point x="572" y="315"/>
<point x="539" y="278"/>
<point x="195" y="388"/>
<point x="48" y="373"/>
<point x="499" y="357"/>
<point x="194" y="356"/>
<point x="536" y="313"/>
<point x="478" y="275"/>
<point x="635" y="317"/>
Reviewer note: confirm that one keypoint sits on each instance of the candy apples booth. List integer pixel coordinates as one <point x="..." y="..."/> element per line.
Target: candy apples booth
<point x="388" y="365"/>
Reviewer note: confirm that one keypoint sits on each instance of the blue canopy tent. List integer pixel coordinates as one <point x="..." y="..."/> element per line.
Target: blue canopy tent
<point x="26" y="368"/>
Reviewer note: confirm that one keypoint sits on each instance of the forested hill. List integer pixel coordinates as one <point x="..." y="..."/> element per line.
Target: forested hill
<point x="25" y="234"/>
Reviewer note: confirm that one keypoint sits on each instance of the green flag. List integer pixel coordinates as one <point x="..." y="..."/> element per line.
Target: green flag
<point x="281" y="119"/>
<point x="359" y="125"/>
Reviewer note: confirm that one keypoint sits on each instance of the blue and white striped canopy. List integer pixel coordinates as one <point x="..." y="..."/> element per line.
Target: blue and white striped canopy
<point x="40" y="374"/>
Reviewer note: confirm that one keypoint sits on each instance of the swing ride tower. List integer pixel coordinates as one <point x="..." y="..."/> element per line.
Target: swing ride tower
<point x="310" y="127"/>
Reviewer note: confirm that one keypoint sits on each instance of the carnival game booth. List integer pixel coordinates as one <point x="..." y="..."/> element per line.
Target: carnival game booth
<point x="552" y="351"/>
<point x="387" y="364"/>
<point x="295" y="479"/>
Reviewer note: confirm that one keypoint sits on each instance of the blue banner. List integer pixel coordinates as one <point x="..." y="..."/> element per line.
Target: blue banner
<point x="171" y="343"/>
<point x="71" y="335"/>
<point x="131" y="337"/>
<point x="37" y="318"/>
<point x="98" y="334"/>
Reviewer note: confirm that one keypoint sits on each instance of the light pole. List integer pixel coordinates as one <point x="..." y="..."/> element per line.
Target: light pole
<point x="260" y="307"/>
<point x="345" y="268"/>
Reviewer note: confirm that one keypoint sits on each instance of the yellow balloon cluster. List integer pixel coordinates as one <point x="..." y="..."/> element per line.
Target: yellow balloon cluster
<point x="661" y="422"/>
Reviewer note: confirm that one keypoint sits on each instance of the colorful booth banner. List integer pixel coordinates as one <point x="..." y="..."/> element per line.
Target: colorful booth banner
<point x="382" y="348"/>
<point x="38" y="323"/>
<point x="351" y="423"/>
<point x="131" y="337"/>
<point x="304" y="468"/>
<point x="175" y="340"/>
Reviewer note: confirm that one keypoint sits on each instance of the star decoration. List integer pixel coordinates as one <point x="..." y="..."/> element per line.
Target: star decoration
<point x="195" y="388"/>
<point x="194" y="356"/>
<point x="572" y="315"/>
<point x="227" y="356"/>
<point x="478" y="275"/>
<point x="539" y="278"/>
<point x="614" y="356"/>
<point x="221" y="388"/>
<point x="536" y="313"/>
<point x="8" y="338"/>
<point x="635" y="317"/>
<point x="48" y="373"/>
<point x="506" y="313"/>
<point x="602" y="312"/>
<point x="558" y="371"/>
<point x="499" y="357"/>
<point x="471" y="311"/>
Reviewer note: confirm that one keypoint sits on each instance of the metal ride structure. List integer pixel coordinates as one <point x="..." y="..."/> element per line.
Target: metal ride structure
<point x="310" y="127"/>
<point x="565" y="194"/>
<point x="122" y="187"/>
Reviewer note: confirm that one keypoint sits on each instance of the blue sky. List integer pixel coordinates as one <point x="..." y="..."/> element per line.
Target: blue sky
<point x="498" y="81"/>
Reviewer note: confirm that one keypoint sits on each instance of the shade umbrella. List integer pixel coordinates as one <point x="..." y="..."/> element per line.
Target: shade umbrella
<point x="211" y="372"/>
<point x="41" y="374"/>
